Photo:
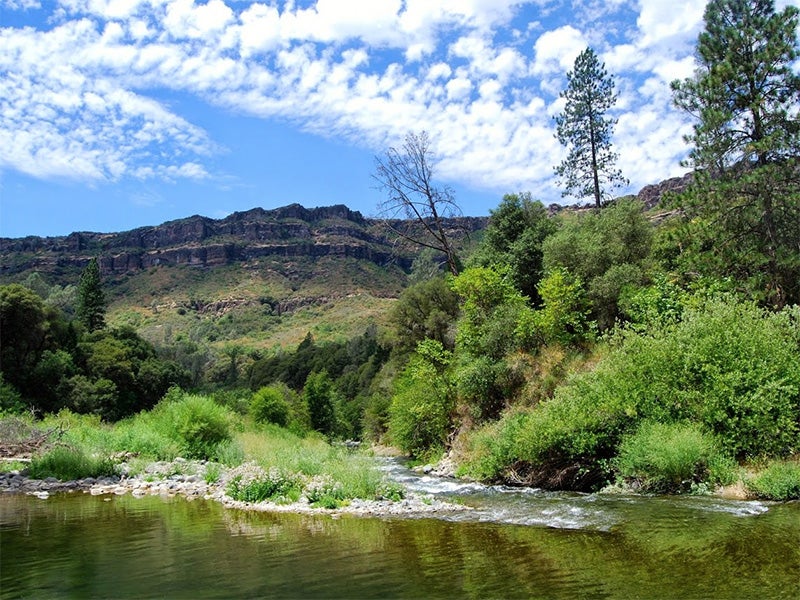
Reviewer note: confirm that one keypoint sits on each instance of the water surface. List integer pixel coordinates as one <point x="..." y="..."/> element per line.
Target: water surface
<point x="526" y="544"/>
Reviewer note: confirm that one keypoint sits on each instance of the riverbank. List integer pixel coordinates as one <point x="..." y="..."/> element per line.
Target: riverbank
<point x="200" y="479"/>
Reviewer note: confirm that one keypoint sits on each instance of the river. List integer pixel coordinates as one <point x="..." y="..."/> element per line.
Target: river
<point x="513" y="543"/>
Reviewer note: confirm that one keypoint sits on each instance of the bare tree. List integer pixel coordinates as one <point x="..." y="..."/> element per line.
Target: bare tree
<point x="415" y="209"/>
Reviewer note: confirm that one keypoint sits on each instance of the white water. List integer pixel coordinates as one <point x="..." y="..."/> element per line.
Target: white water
<point x="561" y="510"/>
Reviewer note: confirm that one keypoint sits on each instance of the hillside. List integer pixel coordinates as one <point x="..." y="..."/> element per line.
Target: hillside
<point x="259" y="278"/>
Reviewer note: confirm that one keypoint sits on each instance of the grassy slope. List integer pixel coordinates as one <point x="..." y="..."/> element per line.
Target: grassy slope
<point x="256" y="305"/>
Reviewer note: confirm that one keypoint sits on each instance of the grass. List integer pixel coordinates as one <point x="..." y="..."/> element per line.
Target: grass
<point x="780" y="480"/>
<point x="670" y="457"/>
<point x="66" y="464"/>
<point x="334" y="473"/>
<point x="276" y="464"/>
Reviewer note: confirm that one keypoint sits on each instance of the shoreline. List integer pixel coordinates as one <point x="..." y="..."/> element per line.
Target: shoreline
<point x="160" y="479"/>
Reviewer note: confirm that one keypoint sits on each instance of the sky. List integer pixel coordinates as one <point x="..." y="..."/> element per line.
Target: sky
<point x="117" y="114"/>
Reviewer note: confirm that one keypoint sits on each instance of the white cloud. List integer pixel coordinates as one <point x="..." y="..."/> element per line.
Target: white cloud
<point x="80" y="99"/>
<point x="556" y="50"/>
<point x="661" y="20"/>
<point x="20" y="4"/>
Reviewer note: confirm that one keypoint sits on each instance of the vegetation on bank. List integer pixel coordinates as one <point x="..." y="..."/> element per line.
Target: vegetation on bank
<point x="268" y="462"/>
<point x="654" y="348"/>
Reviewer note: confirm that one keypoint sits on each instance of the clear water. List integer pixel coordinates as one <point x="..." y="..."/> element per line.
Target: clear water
<point x="513" y="543"/>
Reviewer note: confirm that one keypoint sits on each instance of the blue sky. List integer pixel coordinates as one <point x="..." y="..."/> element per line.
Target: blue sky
<point x="116" y="114"/>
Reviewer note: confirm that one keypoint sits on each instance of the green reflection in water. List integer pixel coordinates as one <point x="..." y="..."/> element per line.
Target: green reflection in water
<point x="83" y="546"/>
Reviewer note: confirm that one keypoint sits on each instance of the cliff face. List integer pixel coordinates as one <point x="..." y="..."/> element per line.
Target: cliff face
<point x="288" y="232"/>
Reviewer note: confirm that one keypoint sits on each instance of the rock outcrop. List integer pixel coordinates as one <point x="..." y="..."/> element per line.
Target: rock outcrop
<point x="283" y="233"/>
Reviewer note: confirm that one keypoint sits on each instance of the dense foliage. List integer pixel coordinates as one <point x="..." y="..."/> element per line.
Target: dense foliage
<point x="730" y="368"/>
<point x="743" y="212"/>
<point x="48" y="362"/>
<point x="655" y="348"/>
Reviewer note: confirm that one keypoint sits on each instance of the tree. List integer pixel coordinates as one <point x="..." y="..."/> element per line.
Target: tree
<point x="745" y="97"/>
<point x="586" y="131"/>
<point x="91" y="298"/>
<point x="426" y="310"/>
<point x="416" y="210"/>
<point x="607" y="251"/>
<point x="320" y="397"/>
<point x="24" y="328"/>
<point x="514" y="237"/>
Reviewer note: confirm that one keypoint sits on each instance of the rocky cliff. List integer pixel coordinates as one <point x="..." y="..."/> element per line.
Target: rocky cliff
<point x="289" y="232"/>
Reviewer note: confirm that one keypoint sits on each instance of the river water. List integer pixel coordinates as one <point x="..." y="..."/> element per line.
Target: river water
<point x="513" y="543"/>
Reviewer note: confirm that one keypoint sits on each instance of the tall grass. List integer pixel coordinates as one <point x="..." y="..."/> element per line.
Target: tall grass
<point x="66" y="463"/>
<point x="353" y="475"/>
<point x="670" y="457"/>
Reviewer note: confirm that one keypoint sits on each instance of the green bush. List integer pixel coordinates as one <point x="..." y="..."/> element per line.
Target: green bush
<point x="419" y="416"/>
<point x="729" y="367"/>
<point x="197" y="423"/>
<point x="606" y="250"/>
<point x="563" y="318"/>
<point x="668" y="457"/>
<point x="10" y="399"/>
<point x="68" y="464"/>
<point x="145" y="437"/>
<point x="779" y="481"/>
<point x="324" y="491"/>
<point x="481" y="383"/>
<point x="269" y="406"/>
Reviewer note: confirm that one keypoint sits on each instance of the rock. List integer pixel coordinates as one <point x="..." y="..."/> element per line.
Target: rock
<point x="651" y="195"/>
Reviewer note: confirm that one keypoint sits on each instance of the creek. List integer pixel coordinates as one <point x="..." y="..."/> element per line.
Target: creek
<point x="512" y="543"/>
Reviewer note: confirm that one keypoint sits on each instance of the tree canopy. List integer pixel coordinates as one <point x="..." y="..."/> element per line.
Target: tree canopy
<point x="744" y="208"/>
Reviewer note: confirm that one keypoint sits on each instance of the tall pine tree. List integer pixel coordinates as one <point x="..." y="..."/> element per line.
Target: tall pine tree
<point x="586" y="131"/>
<point x="745" y="97"/>
<point x="91" y="308"/>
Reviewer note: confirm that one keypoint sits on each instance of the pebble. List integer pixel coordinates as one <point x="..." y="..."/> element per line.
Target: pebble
<point x="192" y="485"/>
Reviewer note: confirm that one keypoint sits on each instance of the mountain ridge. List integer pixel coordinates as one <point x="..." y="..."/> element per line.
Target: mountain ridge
<point x="290" y="231"/>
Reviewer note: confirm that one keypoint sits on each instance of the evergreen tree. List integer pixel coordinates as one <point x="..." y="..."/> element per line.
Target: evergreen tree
<point x="745" y="96"/>
<point x="91" y="298"/>
<point x="586" y="131"/>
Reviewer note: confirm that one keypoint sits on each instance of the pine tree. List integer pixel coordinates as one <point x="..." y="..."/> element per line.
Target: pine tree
<point x="744" y="92"/>
<point x="91" y="308"/>
<point x="586" y="131"/>
<point x="745" y="96"/>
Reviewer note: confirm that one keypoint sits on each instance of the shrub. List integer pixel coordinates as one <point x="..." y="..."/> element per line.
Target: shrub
<point x="419" y="416"/>
<point x="779" y="481"/>
<point x="251" y="483"/>
<point x="563" y="317"/>
<point x="729" y="367"/>
<point x="667" y="457"/>
<point x="10" y="399"/>
<point x="269" y="406"/>
<point x="197" y="423"/>
<point x="324" y="491"/>
<point x="67" y="464"/>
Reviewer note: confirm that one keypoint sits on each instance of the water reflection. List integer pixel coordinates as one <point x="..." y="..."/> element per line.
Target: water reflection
<point x="589" y="547"/>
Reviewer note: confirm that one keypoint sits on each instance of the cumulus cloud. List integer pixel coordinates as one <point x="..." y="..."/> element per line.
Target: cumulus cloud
<point x="80" y="93"/>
